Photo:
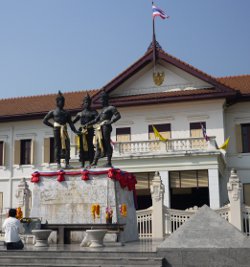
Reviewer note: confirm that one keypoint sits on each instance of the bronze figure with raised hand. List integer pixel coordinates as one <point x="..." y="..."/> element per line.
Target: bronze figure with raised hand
<point x="86" y="146"/>
<point x="60" y="118"/>
<point x="102" y="124"/>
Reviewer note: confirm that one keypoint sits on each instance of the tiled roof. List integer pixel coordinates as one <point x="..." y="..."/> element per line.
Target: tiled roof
<point x="166" y="97"/>
<point x="147" y="58"/>
<point x="241" y="83"/>
<point x="39" y="105"/>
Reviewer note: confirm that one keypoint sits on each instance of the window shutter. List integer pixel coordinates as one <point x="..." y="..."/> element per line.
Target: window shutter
<point x="4" y="151"/>
<point x="1" y="202"/>
<point x="17" y="151"/>
<point x="32" y="151"/>
<point x="238" y="138"/>
<point x="46" y="151"/>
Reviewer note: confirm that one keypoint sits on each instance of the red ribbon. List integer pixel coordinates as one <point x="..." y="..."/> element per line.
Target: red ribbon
<point x="35" y="177"/>
<point x="125" y="179"/>
<point x="60" y="177"/>
<point x="85" y="175"/>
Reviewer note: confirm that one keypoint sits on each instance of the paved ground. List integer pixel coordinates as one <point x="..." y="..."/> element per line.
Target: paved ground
<point x="137" y="246"/>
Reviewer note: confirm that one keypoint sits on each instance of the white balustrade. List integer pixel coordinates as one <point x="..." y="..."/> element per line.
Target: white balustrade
<point x="246" y="220"/>
<point x="224" y="212"/>
<point x="144" y="223"/>
<point x="175" y="218"/>
<point x="159" y="147"/>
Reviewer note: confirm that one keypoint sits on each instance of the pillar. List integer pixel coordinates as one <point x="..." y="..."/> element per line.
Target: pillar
<point x="23" y="195"/>
<point x="157" y="194"/>
<point x="165" y="180"/>
<point x="214" y="188"/>
<point x="234" y="187"/>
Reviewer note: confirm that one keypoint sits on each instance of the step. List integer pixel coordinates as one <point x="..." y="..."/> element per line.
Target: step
<point x="78" y="260"/>
<point x="81" y="265"/>
<point x="83" y="253"/>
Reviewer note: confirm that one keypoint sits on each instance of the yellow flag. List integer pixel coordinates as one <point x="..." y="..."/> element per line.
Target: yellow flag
<point x="158" y="135"/>
<point x="225" y="144"/>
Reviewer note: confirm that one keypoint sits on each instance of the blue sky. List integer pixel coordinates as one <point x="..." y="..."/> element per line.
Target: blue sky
<point x="71" y="45"/>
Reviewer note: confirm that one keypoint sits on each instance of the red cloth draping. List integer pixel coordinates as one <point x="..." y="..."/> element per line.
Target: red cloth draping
<point x="125" y="179"/>
<point x="35" y="178"/>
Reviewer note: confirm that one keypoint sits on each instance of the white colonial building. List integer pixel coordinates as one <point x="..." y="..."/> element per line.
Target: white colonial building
<point x="194" y="171"/>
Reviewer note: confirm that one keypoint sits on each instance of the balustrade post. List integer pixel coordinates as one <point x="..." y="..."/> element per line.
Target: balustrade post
<point x="157" y="194"/>
<point x="234" y="187"/>
<point x="23" y="195"/>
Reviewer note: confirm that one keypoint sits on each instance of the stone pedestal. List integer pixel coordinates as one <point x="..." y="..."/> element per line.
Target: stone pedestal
<point x="67" y="197"/>
<point x="41" y="237"/>
<point x="95" y="237"/>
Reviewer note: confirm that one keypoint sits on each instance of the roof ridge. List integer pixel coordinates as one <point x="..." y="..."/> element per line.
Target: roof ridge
<point x="233" y="76"/>
<point x="49" y="94"/>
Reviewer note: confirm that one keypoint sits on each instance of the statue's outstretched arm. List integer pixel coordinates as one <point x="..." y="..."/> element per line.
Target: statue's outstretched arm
<point x="71" y="125"/>
<point x="47" y="118"/>
<point x="77" y="118"/>
<point x="94" y="121"/>
<point x="116" y="116"/>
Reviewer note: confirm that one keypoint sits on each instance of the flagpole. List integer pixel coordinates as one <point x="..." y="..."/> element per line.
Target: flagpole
<point x="153" y="42"/>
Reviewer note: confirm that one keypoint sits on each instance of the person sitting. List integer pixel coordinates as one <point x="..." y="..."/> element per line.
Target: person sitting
<point x="12" y="227"/>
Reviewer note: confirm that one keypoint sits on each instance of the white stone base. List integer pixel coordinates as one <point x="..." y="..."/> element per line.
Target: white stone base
<point x="70" y="201"/>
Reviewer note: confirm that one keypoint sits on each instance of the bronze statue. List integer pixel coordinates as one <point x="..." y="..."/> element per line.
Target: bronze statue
<point x="102" y="124"/>
<point x="61" y="139"/>
<point x="86" y="146"/>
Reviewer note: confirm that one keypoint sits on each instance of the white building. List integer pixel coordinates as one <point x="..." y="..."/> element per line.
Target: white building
<point x="193" y="170"/>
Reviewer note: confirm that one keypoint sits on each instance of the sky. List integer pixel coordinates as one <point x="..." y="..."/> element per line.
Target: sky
<point x="72" y="45"/>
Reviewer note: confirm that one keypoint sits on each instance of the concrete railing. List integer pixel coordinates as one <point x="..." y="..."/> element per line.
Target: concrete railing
<point x="159" y="147"/>
<point x="144" y="223"/>
<point x="246" y="220"/>
<point x="235" y="212"/>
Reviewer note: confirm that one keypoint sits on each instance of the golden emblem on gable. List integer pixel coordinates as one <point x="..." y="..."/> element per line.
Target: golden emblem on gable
<point x="158" y="78"/>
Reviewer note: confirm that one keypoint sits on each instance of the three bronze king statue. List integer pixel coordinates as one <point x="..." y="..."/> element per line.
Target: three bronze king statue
<point x="94" y="133"/>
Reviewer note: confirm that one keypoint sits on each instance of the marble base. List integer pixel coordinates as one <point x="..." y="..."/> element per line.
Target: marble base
<point x="70" y="201"/>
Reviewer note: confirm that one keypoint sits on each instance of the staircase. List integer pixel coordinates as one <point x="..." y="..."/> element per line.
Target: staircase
<point x="67" y="258"/>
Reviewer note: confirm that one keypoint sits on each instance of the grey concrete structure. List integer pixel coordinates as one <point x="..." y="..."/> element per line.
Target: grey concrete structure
<point x="206" y="240"/>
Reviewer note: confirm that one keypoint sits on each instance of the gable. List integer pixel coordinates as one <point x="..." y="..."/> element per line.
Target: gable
<point x="175" y="79"/>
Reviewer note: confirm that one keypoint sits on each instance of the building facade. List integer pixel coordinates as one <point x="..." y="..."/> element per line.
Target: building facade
<point x="187" y="103"/>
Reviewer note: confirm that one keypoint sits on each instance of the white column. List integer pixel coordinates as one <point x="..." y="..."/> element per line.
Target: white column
<point x="157" y="193"/>
<point x="214" y="188"/>
<point x="23" y="195"/>
<point x="165" y="180"/>
<point x="234" y="187"/>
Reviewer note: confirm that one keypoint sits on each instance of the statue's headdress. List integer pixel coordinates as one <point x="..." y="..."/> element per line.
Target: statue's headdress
<point x="104" y="96"/>
<point x="60" y="96"/>
<point x="87" y="98"/>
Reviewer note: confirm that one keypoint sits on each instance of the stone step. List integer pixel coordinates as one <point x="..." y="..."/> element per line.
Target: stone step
<point x="45" y="253"/>
<point x="79" y="260"/>
<point x="78" y="265"/>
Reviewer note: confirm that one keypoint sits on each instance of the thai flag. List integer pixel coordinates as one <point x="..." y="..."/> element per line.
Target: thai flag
<point x="204" y="132"/>
<point x="158" y="12"/>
